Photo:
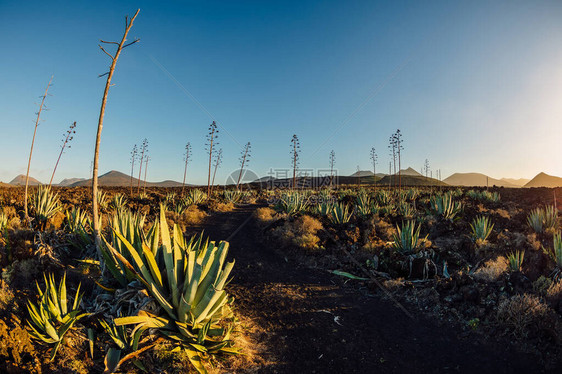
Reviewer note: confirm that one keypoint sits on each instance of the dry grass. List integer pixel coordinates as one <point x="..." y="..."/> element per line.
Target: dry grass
<point x="222" y="207"/>
<point x="492" y="269"/>
<point x="17" y="353"/>
<point x="192" y="216"/>
<point x="265" y="215"/>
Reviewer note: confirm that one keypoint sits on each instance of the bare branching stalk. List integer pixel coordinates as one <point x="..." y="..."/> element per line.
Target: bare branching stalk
<point x="145" y="172"/>
<point x="392" y="147"/>
<point x="374" y="158"/>
<point x="134" y="154"/>
<point x="186" y="159"/>
<point x="120" y="46"/>
<point x="332" y="163"/>
<point x="144" y="149"/>
<point x="41" y="106"/>
<point x="295" y="150"/>
<point x="211" y="141"/>
<point x="399" y="147"/>
<point x="426" y="168"/>
<point x="244" y="159"/>
<point x="218" y="161"/>
<point x="68" y="138"/>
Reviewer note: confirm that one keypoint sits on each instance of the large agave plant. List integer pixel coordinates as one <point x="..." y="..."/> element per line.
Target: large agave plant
<point x="190" y="289"/>
<point x="445" y="206"/>
<point x="364" y="205"/>
<point x="127" y="227"/>
<point x="45" y="204"/>
<point x="119" y="202"/>
<point x="407" y="237"/>
<point x="51" y="319"/>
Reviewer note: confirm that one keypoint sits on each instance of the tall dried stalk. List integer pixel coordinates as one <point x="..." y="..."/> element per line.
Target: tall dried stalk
<point x="245" y="158"/>
<point x="134" y="153"/>
<point x="332" y="163"/>
<point x="187" y="154"/>
<point x="69" y="136"/>
<point x="211" y="141"/>
<point x="31" y="151"/>
<point x="144" y="149"/>
<point x="120" y="46"/>
<point x="374" y="159"/>
<point x="295" y="149"/>
<point x="145" y="171"/>
<point x="218" y="161"/>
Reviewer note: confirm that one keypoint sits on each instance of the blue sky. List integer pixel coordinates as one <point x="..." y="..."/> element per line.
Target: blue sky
<point x="473" y="85"/>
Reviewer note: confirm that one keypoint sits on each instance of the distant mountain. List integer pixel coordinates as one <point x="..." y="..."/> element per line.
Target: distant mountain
<point x="518" y="182"/>
<point x="545" y="180"/>
<point x="264" y="179"/>
<point x="20" y="181"/>
<point x="117" y="179"/>
<point x="362" y="173"/>
<point x="410" y="171"/>
<point x="476" y="180"/>
<point x="70" y="181"/>
<point x="410" y="180"/>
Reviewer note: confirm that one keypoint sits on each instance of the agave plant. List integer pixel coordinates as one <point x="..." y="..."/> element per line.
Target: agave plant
<point x="45" y="205"/>
<point x="195" y="197"/>
<point x="364" y="204"/>
<point x="3" y="222"/>
<point x="550" y="218"/>
<point x="484" y="196"/>
<point x="340" y="213"/>
<point x="78" y="223"/>
<point x="119" y="202"/>
<point x="383" y="198"/>
<point x="445" y="206"/>
<point x="515" y="260"/>
<point x="407" y="237"/>
<point x="536" y="220"/>
<point x="406" y="209"/>
<point x="190" y="290"/>
<point x="323" y="208"/>
<point x="293" y="202"/>
<point x="50" y="319"/>
<point x="556" y="254"/>
<point x="481" y="228"/>
<point x="412" y="194"/>
<point x="233" y="196"/>
<point x="102" y="201"/>
<point x="128" y="225"/>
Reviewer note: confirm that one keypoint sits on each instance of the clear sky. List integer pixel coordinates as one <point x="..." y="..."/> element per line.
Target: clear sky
<point x="474" y="86"/>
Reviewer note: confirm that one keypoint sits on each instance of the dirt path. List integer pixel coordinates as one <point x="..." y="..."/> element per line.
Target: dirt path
<point x="313" y="325"/>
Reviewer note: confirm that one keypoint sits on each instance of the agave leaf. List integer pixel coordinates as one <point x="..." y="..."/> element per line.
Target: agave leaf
<point x="112" y="359"/>
<point x="196" y="360"/>
<point x="62" y="294"/>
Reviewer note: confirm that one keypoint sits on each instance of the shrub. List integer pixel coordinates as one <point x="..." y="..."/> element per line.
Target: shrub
<point x="492" y="269"/>
<point x="525" y="315"/>
<point x="265" y="215"/>
<point x="301" y="232"/>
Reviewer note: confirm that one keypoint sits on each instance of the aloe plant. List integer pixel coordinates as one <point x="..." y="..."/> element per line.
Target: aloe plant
<point x="340" y="213"/>
<point x="406" y="238"/>
<point x="190" y="289"/>
<point x="481" y="228"/>
<point x="515" y="260"/>
<point x="45" y="204"/>
<point x="50" y="319"/>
